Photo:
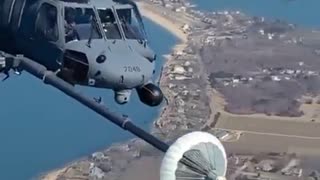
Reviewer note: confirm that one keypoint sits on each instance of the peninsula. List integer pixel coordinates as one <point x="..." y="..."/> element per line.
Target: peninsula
<point x="253" y="83"/>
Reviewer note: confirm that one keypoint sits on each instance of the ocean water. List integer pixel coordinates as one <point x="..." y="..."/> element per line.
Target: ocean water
<point x="304" y="13"/>
<point x="42" y="129"/>
<point x="301" y="12"/>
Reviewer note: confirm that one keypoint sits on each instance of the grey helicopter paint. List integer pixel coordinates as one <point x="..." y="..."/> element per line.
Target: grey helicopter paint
<point x="39" y="44"/>
<point x="139" y="39"/>
<point x="109" y="47"/>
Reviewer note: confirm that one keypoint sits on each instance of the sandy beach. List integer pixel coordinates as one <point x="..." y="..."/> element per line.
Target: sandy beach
<point x="53" y="175"/>
<point x="149" y="11"/>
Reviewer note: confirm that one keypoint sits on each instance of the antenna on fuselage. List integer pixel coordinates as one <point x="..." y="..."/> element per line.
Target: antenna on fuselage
<point x="91" y="32"/>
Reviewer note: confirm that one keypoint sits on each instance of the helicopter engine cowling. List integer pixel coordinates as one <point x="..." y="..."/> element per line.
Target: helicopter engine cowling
<point x="150" y="94"/>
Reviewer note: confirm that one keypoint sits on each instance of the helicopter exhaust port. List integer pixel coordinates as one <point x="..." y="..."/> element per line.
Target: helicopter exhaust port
<point x="122" y="96"/>
<point x="150" y="94"/>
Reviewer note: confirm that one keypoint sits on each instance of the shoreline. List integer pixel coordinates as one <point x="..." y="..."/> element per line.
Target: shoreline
<point x="149" y="11"/>
<point x="169" y="121"/>
<point x="53" y="174"/>
<point x="146" y="11"/>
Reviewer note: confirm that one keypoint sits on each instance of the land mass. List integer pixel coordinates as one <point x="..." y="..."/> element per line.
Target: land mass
<point x="254" y="81"/>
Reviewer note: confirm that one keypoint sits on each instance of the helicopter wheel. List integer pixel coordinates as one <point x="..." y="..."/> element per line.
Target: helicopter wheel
<point x="16" y="12"/>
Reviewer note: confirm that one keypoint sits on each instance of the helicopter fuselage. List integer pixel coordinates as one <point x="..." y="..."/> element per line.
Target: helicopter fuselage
<point x="107" y="47"/>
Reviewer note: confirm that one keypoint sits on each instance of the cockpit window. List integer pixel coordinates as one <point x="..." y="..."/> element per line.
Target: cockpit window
<point x="81" y="24"/>
<point x="109" y="24"/>
<point x="131" y="24"/>
<point x="46" y="23"/>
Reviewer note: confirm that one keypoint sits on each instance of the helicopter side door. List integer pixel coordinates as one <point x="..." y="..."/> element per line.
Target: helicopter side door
<point x="47" y="37"/>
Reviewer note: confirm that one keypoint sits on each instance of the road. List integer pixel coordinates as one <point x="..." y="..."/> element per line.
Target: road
<point x="301" y="129"/>
<point x="268" y="135"/>
<point x="273" y="134"/>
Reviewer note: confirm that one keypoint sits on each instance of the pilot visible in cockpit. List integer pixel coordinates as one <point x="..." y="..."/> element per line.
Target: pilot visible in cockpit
<point x="109" y="24"/>
<point x="51" y="31"/>
<point x="69" y="25"/>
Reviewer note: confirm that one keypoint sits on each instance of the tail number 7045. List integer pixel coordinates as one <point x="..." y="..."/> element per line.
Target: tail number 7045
<point x="131" y="68"/>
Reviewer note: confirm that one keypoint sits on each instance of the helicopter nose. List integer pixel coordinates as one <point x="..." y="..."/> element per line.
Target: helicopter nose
<point x="121" y="71"/>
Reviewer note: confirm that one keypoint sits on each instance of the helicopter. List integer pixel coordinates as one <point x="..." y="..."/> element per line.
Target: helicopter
<point x="102" y="48"/>
<point x="102" y="44"/>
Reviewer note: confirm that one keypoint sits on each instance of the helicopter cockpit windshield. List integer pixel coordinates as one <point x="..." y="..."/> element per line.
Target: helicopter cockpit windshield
<point x="131" y="24"/>
<point x="109" y="24"/>
<point x="81" y="24"/>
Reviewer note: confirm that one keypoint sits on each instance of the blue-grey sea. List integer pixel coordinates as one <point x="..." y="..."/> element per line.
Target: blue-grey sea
<point x="42" y="129"/>
<point x="301" y="12"/>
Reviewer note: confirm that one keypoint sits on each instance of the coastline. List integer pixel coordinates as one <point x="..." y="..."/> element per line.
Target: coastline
<point x="149" y="11"/>
<point x="272" y="129"/>
<point x="53" y="175"/>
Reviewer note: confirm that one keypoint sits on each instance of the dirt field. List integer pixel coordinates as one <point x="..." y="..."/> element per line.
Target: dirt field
<point x="146" y="168"/>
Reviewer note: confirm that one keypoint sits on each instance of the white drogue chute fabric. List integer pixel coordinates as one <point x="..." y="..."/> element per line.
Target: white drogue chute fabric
<point x="221" y="178"/>
<point x="203" y="149"/>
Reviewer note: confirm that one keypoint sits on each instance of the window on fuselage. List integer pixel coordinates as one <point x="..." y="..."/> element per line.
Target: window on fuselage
<point x="81" y="24"/>
<point x="47" y="23"/>
<point x="131" y="24"/>
<point x="109" y="24"/>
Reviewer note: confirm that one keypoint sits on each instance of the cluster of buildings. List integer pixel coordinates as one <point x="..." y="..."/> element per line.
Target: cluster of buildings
<point x="266" y="74"/>
<point x="176" y="5"/>
<point x="105" y="165"/>
<point x="222" y="26"/>
<point x="188" y="106"/>
<point x="187" y="103"/>
<point x="108" y="164"/>
<point x="278" y="166"/>
<point x="228" y="25"/>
